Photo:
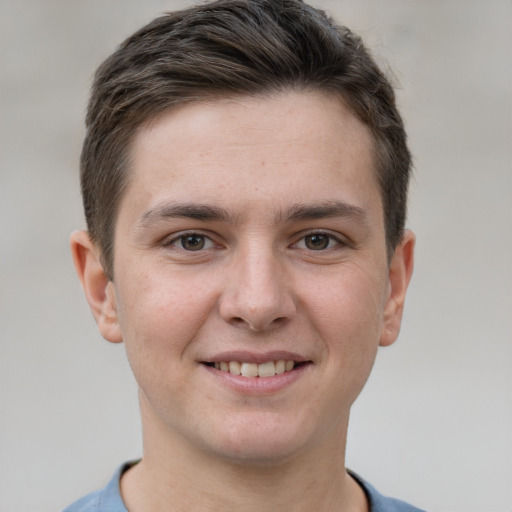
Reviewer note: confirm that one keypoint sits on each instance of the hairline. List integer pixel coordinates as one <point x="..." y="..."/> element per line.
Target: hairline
<point x="206" y="96"/>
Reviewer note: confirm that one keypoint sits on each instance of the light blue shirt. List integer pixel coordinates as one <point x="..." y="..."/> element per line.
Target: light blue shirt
<point x="109" y="499"/>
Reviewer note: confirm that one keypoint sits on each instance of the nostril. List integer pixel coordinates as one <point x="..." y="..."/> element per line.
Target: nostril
<point x="258" y="324"/>
<point x="241" y="323"/>
<point x="257" y="300"/>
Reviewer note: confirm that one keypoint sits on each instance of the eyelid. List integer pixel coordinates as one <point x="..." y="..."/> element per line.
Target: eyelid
<point x="340" y="241"/>
<point x="171" y="240"/>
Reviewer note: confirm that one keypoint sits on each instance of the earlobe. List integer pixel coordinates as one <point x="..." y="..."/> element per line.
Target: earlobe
<point x="99" y="290"/>
<point x="400" y="272"/>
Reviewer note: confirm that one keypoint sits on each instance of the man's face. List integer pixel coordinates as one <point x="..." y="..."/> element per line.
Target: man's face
<point x="252" y="232"/>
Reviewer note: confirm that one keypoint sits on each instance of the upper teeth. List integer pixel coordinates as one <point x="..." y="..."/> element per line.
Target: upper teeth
<point x="268" y="369"/>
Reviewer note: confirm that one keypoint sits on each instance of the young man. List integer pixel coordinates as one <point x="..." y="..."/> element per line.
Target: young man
<point x="244" y="176"/>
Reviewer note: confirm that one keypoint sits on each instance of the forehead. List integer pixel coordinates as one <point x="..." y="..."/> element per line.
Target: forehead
<point x="254" y="151"/>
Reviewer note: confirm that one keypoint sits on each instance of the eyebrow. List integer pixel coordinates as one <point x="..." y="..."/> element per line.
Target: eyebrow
<point x="194" y="211"/>
<point x="211" y="213"/>
<point x="325" y="210"/>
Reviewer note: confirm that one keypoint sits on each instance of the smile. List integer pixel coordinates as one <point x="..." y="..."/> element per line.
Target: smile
<point x="267" y="369"/>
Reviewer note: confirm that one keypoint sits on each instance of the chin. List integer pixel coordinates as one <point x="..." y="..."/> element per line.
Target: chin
<point x="260" y="442"/>
<point x="258" y="454"/>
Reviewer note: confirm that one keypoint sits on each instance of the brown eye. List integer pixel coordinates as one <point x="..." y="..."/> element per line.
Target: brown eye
<point x="192" y="242"/>
<point x="317" y="242"/>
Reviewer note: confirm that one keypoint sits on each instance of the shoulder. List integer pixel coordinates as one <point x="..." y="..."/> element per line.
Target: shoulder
<point x="89" y="503"/>
<point x="107" y="499"/>
<point x="381" y="503"/>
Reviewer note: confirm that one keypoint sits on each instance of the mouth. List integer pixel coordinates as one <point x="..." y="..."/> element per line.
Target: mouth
<point x="260" y="370"/>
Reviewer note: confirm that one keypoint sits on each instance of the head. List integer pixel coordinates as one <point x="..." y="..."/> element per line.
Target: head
<point x="244" y="177"/>
<point x="230" y="49"/>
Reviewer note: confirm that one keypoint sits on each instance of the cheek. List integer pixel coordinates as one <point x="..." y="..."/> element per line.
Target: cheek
<point x="159" y="321"/>
<point x="351" y="302"/>
<point x="161" y="315"/>
<point x="349" y="316"/>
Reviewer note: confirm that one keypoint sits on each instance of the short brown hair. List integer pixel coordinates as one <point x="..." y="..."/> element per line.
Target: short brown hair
<point x="228" y="48"/>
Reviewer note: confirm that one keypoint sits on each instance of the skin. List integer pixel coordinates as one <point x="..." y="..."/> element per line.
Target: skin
<point x="281" y="200"/>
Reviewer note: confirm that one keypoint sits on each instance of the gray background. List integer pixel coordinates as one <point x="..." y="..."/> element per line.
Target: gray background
<point x="434" y="425"/>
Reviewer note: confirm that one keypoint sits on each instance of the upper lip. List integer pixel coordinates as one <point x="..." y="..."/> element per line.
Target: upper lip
<point x="255" y="357"/>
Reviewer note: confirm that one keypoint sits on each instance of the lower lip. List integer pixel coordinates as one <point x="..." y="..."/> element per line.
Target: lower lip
<point x="258" y="385"/>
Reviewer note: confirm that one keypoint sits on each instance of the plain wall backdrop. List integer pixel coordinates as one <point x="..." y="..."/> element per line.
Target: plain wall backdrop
<point x="434" y="424"/>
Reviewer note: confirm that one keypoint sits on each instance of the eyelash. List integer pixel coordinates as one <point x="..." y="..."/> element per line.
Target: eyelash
<point x="332" y="241"/>
<point x="325" y="235"/>
<point x="184" y="236"/>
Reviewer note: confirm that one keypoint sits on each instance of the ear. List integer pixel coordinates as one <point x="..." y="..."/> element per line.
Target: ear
<point x="400" y="272"/>
<point x="99" y="290"/>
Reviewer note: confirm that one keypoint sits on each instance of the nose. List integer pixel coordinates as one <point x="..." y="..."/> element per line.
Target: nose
<point x="258" y="294"/>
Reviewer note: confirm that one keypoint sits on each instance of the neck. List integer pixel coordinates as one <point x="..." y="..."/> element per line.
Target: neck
<point x="177" y="476"/>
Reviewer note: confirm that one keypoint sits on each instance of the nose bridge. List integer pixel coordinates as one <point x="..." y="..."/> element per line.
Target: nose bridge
<point x="258" y="295"/>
